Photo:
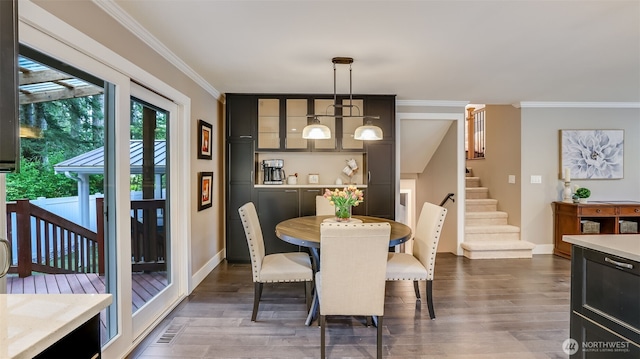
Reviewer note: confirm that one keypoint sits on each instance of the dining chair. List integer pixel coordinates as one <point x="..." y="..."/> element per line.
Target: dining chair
<point x="351" y="280"/>
<point x="272" y="268"/>
<point x="420" y="265"/>
<point x="324" y="207"/>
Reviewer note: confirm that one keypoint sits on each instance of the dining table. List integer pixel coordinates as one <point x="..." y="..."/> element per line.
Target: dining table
<point x="305" y="232"/>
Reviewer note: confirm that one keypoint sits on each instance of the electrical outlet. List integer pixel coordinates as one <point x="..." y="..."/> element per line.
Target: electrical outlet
<point x="512" y="179"/>
<point x="536" y="179"/>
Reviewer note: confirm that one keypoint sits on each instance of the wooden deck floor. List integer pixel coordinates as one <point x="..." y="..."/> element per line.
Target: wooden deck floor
<point x="145" y="285"/>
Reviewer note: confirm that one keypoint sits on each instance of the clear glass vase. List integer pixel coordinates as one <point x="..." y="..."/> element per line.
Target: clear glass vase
<point x="343" y="213"/>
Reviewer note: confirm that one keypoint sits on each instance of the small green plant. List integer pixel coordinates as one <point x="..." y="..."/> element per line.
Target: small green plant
<point x="583" y="192"/>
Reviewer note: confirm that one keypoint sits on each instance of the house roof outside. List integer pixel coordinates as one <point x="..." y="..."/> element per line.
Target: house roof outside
<point x="92" y="162"/>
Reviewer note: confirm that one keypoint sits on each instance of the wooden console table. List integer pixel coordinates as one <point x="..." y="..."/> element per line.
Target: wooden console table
<point x="567" y="219"/>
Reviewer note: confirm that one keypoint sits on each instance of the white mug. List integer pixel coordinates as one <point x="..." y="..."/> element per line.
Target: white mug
<point x="338" y="181"/>
<point x="292" y="180"/>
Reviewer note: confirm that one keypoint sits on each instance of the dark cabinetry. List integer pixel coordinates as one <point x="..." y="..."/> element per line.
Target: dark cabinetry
<point x="248" y="128"/>
<point x="605" y="312"/>
<point x="83" y="342"/>
<point x="274" y="206"/>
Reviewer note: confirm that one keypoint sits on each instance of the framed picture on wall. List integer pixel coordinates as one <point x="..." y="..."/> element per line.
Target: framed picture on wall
<point x="592" y="154"/>
<point x="205" y="190"/>
<point x="205" y="132"/>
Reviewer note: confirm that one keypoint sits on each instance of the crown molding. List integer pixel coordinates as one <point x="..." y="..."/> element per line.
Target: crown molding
<point x="115" y="11"/>
<point x="428" y="103"/>
<point x="533" y="104"/>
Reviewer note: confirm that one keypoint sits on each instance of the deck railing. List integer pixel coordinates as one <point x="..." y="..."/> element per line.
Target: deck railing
<point x="45" y="242"/>
<point x="48" y="243"/>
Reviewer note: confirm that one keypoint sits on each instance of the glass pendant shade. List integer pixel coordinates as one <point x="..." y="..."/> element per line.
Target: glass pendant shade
<point x="319" y="131"/>
<point x="316" y="131"/>
<point x="368" y="132"/>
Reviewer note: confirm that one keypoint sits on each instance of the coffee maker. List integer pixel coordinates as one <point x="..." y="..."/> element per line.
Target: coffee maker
<point x="273" y="172"/>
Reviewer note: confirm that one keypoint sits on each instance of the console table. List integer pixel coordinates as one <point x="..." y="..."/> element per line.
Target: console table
<point x="569" y="218"/>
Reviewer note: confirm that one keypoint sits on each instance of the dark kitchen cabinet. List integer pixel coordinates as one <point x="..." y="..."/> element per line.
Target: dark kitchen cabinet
<point x="308" y="200"/>
<point x="380" y="193"/>
<point x="239" y="188"/>
<point x="275" y="206"/>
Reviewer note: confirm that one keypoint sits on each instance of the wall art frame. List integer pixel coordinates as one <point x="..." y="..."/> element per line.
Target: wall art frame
<point x="205" y="140"/>
<point x="205" y="190"/>
<point x="592" y="154"/>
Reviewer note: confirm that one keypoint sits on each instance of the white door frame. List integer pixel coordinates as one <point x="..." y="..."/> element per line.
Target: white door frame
<point x="48" y="34"/>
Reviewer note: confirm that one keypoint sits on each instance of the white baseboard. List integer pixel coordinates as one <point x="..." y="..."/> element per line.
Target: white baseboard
<point x="203" y="272"/>
<point x="543" y="249"/>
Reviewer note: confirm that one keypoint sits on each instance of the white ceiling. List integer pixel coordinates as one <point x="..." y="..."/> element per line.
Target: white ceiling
<point x="478" y="51"/>
<point x="481" y="51"/>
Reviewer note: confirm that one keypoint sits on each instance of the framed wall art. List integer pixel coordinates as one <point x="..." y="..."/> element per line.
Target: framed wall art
<point x="205" y="190"/>
<point x="205" y="131"/>
<point x="592" y="154"/>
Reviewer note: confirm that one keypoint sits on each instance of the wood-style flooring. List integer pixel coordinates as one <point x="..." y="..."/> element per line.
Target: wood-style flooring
<point x="506" y="308"/>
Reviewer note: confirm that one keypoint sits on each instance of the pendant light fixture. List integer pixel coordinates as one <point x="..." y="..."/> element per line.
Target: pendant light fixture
<point x="316" y="130"/>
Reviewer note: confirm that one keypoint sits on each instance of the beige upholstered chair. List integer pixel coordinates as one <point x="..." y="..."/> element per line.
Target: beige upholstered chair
<point x="272" y="268"/>
<point x="351" y="280"/>
<point x="421" y="264"/>
<point x="324" y="207"/>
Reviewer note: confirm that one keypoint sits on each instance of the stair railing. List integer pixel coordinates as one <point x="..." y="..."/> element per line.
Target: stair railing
<point x="448" y="197"/>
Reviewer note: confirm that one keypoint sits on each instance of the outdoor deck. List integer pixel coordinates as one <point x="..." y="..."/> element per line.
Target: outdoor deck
<point x="145" y="285"/>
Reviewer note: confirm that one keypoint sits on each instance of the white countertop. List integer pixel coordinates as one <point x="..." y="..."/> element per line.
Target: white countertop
<point x="30" y="323"/>
<point x="622" y="245"/>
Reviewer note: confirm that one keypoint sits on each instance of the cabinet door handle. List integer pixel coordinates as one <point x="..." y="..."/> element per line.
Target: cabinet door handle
<point x="291" y="190"/>
<point x="617" y="263"/>
<point x="251" y="176"/>
<point x="368" y="177"/>
<point x="598" y="210"/>
<point x="637" y="210"/>
<point x="313" y="190"/>
<point x="245" y="136"/>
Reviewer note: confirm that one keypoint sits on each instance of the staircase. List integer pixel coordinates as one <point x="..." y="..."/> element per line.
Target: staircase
<point x="487" y="232"/>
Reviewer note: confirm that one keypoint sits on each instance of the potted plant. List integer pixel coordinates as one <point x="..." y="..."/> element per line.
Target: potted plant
<point x="581" y="194"/>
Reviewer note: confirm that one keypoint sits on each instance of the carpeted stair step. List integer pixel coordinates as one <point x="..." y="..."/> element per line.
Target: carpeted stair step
<point x="497" y="249"/>
<point x="481" y="205"/>
<point x="472" y="181"/>
<point x="489" y="218"/>
<point x="491" y="233"/>
<point x="477" y="193"/>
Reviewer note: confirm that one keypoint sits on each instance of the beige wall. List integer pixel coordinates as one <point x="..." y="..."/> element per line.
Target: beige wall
<point x="540" y="156"/>
<point x="438" y="179"/>
<point x="207" y="238"/>
<point x="502" y="159"/>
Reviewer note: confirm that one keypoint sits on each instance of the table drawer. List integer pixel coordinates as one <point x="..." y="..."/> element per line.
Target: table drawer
<point x="630" y="211"/>
<point x="597" y="211"/>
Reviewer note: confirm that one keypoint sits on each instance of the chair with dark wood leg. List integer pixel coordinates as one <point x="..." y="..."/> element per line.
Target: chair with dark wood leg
<point x="351" y="280"/>
<point x="272" y="268"/>
<point x="421" y="264"/>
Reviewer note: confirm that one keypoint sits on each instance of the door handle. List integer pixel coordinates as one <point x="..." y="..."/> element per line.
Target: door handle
<point x="7" y="254"/>
<point x="618" y="263"/>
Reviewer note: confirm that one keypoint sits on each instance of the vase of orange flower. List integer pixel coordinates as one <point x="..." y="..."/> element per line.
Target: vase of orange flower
<point x="344" y="200"/>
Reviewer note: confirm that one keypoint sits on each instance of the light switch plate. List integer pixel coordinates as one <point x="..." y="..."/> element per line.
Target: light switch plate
<point x="512" y="179"/>
<point x="536" y="179"/>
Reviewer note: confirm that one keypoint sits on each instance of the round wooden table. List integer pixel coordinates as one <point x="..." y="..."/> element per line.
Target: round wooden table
<point x="305" y="231"/>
